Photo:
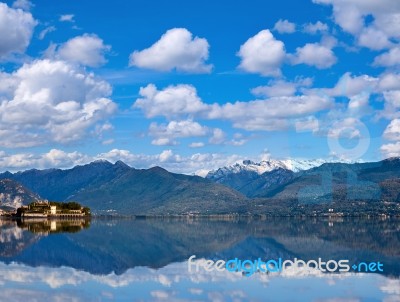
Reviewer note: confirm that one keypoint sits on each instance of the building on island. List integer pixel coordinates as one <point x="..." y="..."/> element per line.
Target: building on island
<point x="42" y="209"/>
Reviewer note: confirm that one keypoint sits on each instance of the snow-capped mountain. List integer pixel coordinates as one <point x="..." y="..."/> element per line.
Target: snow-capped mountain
<point x="258" y="179"/>
<point x="294" y="165"/>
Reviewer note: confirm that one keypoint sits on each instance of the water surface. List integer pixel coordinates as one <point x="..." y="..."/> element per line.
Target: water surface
<point x="146" y="260"/>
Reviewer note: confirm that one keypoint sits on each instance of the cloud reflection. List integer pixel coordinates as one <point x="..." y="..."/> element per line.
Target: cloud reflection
<point x="174" y="283"/>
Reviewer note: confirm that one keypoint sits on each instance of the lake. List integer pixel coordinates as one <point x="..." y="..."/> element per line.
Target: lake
<point x="147" y="260"/>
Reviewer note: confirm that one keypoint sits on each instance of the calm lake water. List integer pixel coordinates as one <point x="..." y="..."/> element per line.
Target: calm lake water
<point x="147" y="260"/>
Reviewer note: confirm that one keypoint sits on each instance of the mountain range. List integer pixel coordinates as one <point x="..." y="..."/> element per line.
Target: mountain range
<point x="248" y="187"/>
<point x="109" y="188"/>
<point x="257" y="179"/>
<point x="314" y="181"/>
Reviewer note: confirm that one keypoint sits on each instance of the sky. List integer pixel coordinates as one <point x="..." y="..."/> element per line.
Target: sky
<point x="193" y="86"/>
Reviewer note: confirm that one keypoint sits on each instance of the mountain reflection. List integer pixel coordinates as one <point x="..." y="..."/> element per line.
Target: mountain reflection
<point x="120" y="244"/>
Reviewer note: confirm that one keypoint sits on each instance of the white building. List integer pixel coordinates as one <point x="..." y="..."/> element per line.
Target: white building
<point x="53" y="210"/>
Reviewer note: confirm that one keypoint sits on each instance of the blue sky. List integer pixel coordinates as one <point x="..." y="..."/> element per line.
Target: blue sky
<point x="195" y="86"/>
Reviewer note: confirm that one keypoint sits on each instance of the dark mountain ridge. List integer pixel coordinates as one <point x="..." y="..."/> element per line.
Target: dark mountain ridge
<point x="107" y="187"/>
<point x="117" y="188"/>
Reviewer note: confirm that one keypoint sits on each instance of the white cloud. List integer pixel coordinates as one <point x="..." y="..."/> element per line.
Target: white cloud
<point x="218" y="137"/>
<point x="160" y="294"/>
<point x="307" y="124"/>
<point x="176" y="49"/>
<point x="67" y="18"/>
<point x="173" y="101"/>
<point x="166" y="134"/>
<point x="45" y="31"/>
<point x="88" y="50"/>
<point x="262" y="54"/>
<point x="389" y="81"/>
<point x="390" y="58"/>
<point x="277" y="88"/>
<point x="284" y="27"/>
<point x="373" y="38"/>
<point x="349" y="85"/>
<point x="271" y="114"/>
<point x="196" y="145"/>
<point x="392" y="104"/>
<point x="167" y="155"/>
<point x="51" y="101"/>
<point x="268" y="114"/>
<point x="163" y="141"/>
<point x="392" y="131"/>
<point x="314" y="54"/>
<point x="22" y="4"/>
<point x="359" y="104"/>
<point x="391" y="150"/>
<point x="314" y="28"/>
<point x="53" y="159"/>
<point x="16" y="28"/>
<point x="350" y="15"/>
<point x="346" y="128"/>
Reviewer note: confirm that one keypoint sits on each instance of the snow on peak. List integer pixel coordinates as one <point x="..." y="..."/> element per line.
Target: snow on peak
<point x="268" y="165"/>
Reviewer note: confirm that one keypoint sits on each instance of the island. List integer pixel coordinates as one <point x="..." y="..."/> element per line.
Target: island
<point x="52" y="209"/>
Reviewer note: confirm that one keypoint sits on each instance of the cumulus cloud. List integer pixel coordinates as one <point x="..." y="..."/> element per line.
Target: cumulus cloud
<point x="390" y="150"/>
<point x="270" y="114"/>
<point x="262" y="54"/>
<point x="266" y="114"/>
<point x="165" y="134"/>
<point x="87" y="50"/>
<point x="284" y="27"/>
<point x="51" y="101"/>
<point x="390" y="58"/>
<point x="314" y="54"/>
<point x="349" y="85"/>
<point x="346" y="128"/>
<point x="173" y="101"/>
<point x="16" y="28"/>
<point x="374" y="39"/>
<point x="358" y="90"/>
<point x="218" y="137"/>
<point x="314" y="28"/>
<point x="350" y="16"/>
<point x="392" y="131"/>
<point x="176" y="49"/>
<point x="389" y="81"/>
<point x="53" y="159"/>
<point x="392" y="104"/>
<point x="276" y="88"/>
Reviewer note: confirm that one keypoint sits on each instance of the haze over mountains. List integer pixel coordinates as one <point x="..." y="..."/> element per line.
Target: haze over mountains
<point x="242" y="188"/>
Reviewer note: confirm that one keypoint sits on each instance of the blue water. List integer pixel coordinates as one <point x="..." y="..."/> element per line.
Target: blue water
<point x="147" y="260"/>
